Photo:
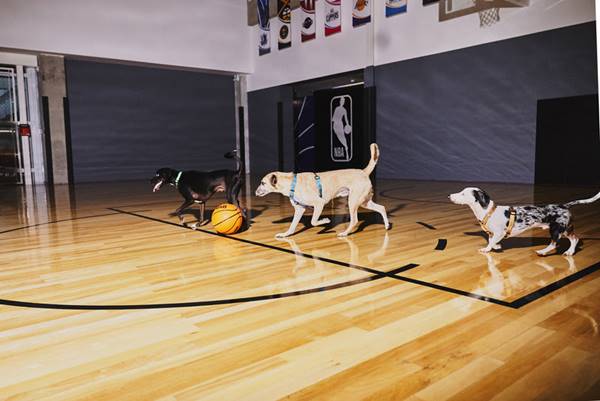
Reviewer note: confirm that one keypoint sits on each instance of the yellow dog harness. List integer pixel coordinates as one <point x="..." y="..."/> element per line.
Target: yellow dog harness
<point x="511" y="221"/>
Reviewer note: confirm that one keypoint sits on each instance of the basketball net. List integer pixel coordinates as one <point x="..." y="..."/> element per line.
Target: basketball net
<point x="489" y="17"/>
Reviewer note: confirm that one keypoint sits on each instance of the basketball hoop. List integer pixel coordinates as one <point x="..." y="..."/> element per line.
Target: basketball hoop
<point x="489" y="17"/>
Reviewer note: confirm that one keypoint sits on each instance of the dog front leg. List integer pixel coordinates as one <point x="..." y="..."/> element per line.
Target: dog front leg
<point x="493" y="241"/>
<point x="298" y="212"/>
<point x="318" y="209"/>
<point x="187" y="203"/>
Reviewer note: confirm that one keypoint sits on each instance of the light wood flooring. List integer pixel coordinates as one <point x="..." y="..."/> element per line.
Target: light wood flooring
<point x="105" y="297"/>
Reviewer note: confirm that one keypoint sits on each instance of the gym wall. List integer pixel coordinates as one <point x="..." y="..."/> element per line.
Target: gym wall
<point x="263" y="120"/>
<point x="207" y="34"/>
<point x="416" y="33"/>
<point x="470" y="114"/>
<point x="128" y="121"/>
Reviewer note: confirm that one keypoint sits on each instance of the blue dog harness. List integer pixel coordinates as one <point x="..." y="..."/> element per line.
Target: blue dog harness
<point x="293" y="188"/>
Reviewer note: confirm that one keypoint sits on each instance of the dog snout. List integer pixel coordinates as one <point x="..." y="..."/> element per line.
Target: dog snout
<point x="260" y="191"/>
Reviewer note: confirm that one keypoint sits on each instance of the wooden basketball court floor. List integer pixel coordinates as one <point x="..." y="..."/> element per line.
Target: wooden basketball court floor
<point x="105" y="297"/>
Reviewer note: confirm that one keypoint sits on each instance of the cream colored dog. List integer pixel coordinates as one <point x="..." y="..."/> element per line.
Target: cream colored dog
<point x="315" y="190"/>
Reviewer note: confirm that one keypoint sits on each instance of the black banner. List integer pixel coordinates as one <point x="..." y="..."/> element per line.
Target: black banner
<point x="342" y="132"/>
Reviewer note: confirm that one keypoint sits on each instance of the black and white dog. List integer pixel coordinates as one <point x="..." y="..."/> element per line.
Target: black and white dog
<point x="199" y="186"/>
<point x="508" y="221"/>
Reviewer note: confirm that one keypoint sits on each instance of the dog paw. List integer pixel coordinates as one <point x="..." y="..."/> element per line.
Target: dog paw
<point x="484" y="250"/>
<point x="388" y="226"/>
<point x="342" y="234"/>
<point x="541" y="253"/>
<point x="568" y="253"/>
<point x="281" y="235"/>
<point x="194" y="226"/>
<point x="497" y="247"/>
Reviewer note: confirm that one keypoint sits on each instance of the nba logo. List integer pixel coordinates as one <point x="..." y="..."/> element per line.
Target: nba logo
<point x="340" y="114"/>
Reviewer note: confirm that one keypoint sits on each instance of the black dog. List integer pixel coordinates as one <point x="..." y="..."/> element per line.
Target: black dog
<point x="198" y="186"/>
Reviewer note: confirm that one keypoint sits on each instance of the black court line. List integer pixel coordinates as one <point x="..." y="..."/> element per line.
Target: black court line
<point x="261" y="244"/>
<point x="529" y="298"/>
<point x="393" y="273"/>
<point x="62" y="220"/>
<point x="441" y="245"/>
<point x="375" y="275"/>
<point x="456" y="291"/>
<point x="194" y="303"/>
<point x="429" y="226"/>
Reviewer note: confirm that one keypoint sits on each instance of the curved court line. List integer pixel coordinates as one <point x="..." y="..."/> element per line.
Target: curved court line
<point x="375" y="275"/>
<point x="40" y="305"/>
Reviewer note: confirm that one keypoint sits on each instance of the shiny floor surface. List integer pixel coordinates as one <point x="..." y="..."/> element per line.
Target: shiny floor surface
<point x="106" y="297"/>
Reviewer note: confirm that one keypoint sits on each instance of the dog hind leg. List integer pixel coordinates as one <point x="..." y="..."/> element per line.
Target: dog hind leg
<point x="379" y="209"/>
<point x="354" y="201"/>
<point x="574" y="240"/>
<point x="556" y="231"/>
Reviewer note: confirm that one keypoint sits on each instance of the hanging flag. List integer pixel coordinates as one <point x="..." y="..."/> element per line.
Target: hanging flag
<point x="361" y="12"/>
<point x="284" y="13"/>
<point x="393" y="7"/>
<point x="308" y="30"/>
<point x="333" y="17"/>
<point x="264" y="27"/>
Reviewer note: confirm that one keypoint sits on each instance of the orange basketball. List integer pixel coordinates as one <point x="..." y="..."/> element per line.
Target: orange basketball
<point x="227" y="219"/>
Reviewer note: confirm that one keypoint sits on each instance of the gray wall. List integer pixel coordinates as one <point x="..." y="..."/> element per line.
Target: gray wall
<point x="470" y="114"/>
<point x="128" y="121"/>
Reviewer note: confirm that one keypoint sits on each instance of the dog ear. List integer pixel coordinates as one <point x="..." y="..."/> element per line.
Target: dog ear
<point x="274" y="180"/>
<point x="482" y="198"/>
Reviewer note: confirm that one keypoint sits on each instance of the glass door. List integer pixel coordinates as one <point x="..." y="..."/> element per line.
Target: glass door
<point x="10" y="169"/>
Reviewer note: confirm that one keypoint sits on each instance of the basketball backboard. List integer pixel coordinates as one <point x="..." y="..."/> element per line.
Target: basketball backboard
<point x="449" y="9"/>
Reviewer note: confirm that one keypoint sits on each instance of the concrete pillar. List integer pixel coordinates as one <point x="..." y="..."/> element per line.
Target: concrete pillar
<point x="53" y="86"/>
<point x="241" y="100"/>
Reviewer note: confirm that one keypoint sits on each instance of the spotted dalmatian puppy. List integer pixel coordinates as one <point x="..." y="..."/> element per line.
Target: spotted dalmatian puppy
<point x="508" y="221"/>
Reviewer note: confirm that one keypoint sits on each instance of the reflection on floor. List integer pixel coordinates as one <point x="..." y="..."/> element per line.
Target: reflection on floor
<point x="377" y="315"/>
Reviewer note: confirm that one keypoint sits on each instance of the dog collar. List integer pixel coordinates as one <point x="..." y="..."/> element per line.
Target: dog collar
<point x="177" y="179"/>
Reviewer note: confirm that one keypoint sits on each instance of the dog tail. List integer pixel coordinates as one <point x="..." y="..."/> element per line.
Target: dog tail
<point x="589" y="200"/>
<point x="374" y="157"/>
<point x="234" y="155"/>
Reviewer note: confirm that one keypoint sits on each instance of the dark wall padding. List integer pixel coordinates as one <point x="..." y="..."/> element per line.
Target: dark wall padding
<point x="128" y="121"/>
<point x="262" y="111"/>
<point x="470" y="114"/>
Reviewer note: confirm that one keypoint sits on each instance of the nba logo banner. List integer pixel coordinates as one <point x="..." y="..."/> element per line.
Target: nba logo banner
<point x="393" y="7"/>
<point x="333" y="17"/>
<point x="264" y="27"/>
<point x="284" y="12"/>
<point x="308" y="30"/>
<point x="361" y="12"/>
<point x="341" y="138"/>
<point x="340" y="112"/>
